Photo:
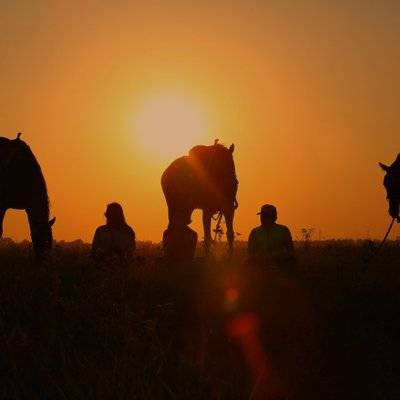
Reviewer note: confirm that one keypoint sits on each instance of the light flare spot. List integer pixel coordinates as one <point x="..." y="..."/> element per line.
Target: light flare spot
<point x="232" y="295"/>
<point x="244" y="325"/>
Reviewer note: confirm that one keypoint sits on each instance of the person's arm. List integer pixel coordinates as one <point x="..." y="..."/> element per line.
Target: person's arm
<point x="289" y="246"/>
<point x="96" y="250"/>
<point x="133" y="241"/>
<point x="132" y="244"/>
<point x="251" y="246"/>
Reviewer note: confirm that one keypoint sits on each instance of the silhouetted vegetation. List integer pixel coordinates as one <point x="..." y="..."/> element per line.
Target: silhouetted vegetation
<point x="70" y="330"/>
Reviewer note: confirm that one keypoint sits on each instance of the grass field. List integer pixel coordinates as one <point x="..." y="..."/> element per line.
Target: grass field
<point x="328" y="329"/>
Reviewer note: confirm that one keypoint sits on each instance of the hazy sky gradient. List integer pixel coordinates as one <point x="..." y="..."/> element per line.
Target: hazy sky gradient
<point x="308" y="91"/>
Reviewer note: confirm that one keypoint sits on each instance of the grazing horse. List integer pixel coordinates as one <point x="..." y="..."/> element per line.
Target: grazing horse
<point x="392" y="185"/>
<point x="206" y="180"/>
<point x="22" y="187"/>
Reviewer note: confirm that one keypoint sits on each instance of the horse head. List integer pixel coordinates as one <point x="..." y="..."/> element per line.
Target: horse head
<point x="216" y="161"/>
<point x="391" y="182"/>
<point x="42" y="236"/>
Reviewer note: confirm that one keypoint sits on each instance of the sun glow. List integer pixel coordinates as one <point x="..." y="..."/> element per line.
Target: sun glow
<point x="168" y="124"/>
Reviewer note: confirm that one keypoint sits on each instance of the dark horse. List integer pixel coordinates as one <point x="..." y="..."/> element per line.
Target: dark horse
<point x="22" y="186"/>
<point x="392" y="185"/>
<point x="206" y="180"/>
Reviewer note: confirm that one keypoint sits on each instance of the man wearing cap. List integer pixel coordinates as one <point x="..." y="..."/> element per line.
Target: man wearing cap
<point x="270" y="244"/>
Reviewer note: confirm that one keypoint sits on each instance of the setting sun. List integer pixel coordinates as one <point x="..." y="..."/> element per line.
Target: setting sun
<point x="168" y="124"/>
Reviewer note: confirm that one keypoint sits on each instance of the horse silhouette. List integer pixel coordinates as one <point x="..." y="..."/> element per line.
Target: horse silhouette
<point x="22" y="187"/>
<point x="392" y="186"/>
<point x="205" y="179"/>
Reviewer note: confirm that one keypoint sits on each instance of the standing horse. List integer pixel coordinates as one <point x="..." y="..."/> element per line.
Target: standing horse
<point x="206" y="180"/>
<point x="22" y="187"/>
<point x="392" y="185"/>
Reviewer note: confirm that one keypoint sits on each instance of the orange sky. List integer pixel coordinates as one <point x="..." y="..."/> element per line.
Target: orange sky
<point x="307" y="90"/>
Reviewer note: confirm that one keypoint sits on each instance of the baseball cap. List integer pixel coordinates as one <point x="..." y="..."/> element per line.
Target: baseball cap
<point x="267" y="209"/>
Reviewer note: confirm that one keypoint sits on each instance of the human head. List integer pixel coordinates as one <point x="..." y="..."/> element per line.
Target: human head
<point x="268" y="214"/>
<point x="180" y="221"/>
<point x="115" y="215"/>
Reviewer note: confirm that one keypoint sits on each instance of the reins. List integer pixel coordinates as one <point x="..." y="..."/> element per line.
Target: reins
<point x="386" y="236"/>
<point x="378" y="249"/>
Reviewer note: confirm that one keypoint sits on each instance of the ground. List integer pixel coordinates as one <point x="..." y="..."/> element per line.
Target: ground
<point x="327" y="329"/>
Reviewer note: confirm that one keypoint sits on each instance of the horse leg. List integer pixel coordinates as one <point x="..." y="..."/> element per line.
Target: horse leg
<point x="207" y="215"/>
<point x="2" y="213"/>
<point x="230" y="234"/>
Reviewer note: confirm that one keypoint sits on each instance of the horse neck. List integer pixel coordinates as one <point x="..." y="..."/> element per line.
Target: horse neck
<point x="28" y="173"/>
<point x="38" y="211"/>
<point x="215" y="184"/>
<point x="392" y="183"/>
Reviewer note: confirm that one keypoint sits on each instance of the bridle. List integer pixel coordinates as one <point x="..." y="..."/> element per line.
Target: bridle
<point x="218" y="217"/>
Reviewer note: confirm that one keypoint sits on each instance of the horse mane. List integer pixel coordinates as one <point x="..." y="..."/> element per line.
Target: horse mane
<point x="4" y="141"/>
<point x="24" y="156"/>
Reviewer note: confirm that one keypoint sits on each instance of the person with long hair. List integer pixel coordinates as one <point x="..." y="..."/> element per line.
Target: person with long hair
<point x="114" y="241"/>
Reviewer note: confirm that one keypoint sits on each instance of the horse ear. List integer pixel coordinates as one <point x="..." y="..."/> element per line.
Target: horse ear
<point x="52" y="221"/>
<point x="232" y="148"/>
<point x="384" y="167"/>
<point x="19" y="135"/>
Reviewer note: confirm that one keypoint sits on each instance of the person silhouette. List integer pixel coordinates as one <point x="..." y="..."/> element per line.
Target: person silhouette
<point x="179" y="242"/>
<point x="115" y="241"/>
<point x="270" y="244"/>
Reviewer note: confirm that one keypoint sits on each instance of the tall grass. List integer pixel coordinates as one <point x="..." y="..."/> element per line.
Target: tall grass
<point x="71" y="329"/>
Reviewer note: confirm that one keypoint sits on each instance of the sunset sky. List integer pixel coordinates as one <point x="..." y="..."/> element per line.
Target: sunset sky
<point x="108" y="93"/>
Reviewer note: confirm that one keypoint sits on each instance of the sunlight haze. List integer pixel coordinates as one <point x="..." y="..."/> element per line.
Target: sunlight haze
<point x="167" y="124"/>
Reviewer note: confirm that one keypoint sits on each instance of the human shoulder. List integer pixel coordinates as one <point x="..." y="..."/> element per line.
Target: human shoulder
<point x="257" y="231"/>
<point x="101" y="229"/>
<point x="282" y="228"/>
<point x="129" y="229"/>
<point x="190" y="231"/>
<point x="100" y="234"/>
